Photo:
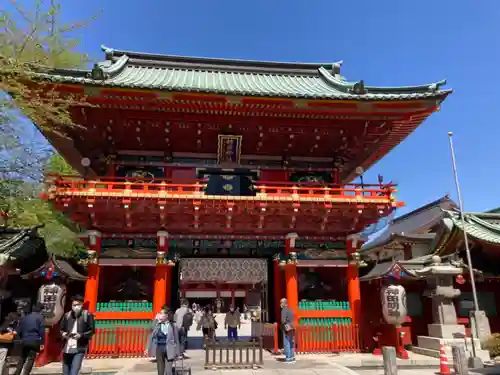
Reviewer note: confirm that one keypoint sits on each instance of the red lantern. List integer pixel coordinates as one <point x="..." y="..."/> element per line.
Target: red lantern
<point x="460" y="279"/>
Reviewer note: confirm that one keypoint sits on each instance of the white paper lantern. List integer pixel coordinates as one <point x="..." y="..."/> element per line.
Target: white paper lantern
<point x="53" y="298"/>
<point x="394" y="304"/>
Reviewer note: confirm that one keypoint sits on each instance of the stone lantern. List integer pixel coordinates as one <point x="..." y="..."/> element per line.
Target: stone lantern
<point x="444" y="329"/>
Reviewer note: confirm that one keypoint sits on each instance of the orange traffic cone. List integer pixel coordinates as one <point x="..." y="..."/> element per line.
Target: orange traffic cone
<point x="444" y="369"/>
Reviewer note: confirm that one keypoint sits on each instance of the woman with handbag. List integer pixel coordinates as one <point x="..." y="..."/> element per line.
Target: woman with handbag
<point x="7" y="336"/>
<point x="287" y="324"/>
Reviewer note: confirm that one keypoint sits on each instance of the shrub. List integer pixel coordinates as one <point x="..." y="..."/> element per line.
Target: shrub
<point x="492" y="344"/>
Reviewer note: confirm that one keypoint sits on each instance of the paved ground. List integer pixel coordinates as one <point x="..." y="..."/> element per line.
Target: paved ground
<point x="307" y="364"/>
<point x="311" y="364"/>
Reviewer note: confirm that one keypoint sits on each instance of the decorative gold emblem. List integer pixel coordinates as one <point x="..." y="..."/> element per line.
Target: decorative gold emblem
<point x="292" y="258"/>
<point x="160" y="257"/>
<point x="354" y="258"/>
<point x="92" y="257"/>
<point x="139" y="175"/>
<point x="229" y="148"/>
<point x="228" y="177"/>
<point x="228" y="187"/>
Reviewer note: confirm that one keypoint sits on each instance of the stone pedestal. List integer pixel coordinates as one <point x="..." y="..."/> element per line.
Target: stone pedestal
<point x="444" y="330"/>
<point x="479" y="325"/>
<point x="429" y="346"/>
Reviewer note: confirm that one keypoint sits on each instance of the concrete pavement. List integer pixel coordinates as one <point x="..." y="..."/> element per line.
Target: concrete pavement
<point x="307" y="364"/>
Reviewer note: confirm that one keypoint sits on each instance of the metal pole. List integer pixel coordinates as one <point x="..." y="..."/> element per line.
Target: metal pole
<point x="464" y="231"/>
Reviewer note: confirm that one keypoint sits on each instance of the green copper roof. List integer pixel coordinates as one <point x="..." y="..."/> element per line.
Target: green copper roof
<point x="484" y="227"/>
<point x="479" y="226"/>
<point x="124" y="69"/>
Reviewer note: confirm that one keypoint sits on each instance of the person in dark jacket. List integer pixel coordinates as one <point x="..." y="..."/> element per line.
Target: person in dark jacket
<point x="31" y="331"/>
<point x="7" y="333"/>
<point x="287" y="325"/>
<point x="77" y="328"/>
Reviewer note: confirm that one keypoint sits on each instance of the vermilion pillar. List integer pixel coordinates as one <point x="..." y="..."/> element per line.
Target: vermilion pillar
<point x="161" y="293"/>
<point x="93" y="269"/>
<point x="292" y="290"/>
<point x="353" y="288"/>
<point x="277" y="288"/>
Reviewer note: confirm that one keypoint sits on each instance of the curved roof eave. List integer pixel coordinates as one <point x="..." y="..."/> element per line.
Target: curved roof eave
<point x="126" y="69"/>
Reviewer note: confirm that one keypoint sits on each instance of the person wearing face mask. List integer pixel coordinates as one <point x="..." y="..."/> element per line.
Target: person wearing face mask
<point x="150" y="351"/>
<point x="232" y="322"/>
<point x="77" y="328"/>
<point x="165" y="340"/>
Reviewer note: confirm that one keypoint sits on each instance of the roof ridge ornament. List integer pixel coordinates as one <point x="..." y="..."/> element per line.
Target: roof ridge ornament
<point x="359" y="88"/>
<point x="108" y="52"/>
<point x="436" y="86"/>
<point x="336" y="68"/>
<point x="101" y="73"/>
<point x="98" y="73"/>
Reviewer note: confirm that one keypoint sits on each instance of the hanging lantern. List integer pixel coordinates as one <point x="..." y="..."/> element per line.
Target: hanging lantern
<point x="53" y="297"/>
<point x="394" y="304"/>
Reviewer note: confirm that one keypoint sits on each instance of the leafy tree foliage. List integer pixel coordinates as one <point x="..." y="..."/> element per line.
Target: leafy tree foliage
<point x="57" y="165"/>
<point x="33" y="42"/>
<point x="24" y="207"/>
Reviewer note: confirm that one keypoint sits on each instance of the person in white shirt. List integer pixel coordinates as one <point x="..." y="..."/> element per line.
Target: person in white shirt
<point x="77" y="328"/>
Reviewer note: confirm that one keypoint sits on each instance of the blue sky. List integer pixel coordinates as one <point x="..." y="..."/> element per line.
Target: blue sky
<point x="385" y="42"/>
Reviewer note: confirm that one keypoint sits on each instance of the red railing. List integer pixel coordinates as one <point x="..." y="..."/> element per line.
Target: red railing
<point x="272" y="189"/>
<point x="333" y="339"/>
<point x="122" y="341"/>
<point x="119" y="342"/>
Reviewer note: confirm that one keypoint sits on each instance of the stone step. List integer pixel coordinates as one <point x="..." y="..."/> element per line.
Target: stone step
<point x="425" y="351"/>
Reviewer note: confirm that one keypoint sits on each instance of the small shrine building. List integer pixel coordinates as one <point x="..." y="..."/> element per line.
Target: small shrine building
<point x="434" y="229"/>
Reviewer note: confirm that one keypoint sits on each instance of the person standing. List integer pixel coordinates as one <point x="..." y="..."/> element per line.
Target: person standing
<point x="183" y="320"/>
<point x="287" y="325"/>
<point x="77" y="328"/>
<point x="151" y="346"/>
<point x="31" y="331"/>
<point x="232" y="322"/>
<point x="165" y="338"/>
<point x="207" y="324"/>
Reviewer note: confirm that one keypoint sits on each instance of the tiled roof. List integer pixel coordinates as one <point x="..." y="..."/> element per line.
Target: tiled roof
<point x="125" y="69"/>
<point x="402" y="268"/>
<point x="397" y="268"/>
<point x="410" y="225"/>
<point x="18" y="243"/>
<point x="63" y="266"/>
<point x="393" y="238"/>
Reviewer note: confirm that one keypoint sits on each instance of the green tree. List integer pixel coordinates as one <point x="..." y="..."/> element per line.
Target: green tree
<point x="34" y="41"/>
<point x="57" y="165"/>
<point x="27" y="209"/>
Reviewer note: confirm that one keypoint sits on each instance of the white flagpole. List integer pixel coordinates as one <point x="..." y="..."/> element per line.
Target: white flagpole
<point x="464" y="231"/>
